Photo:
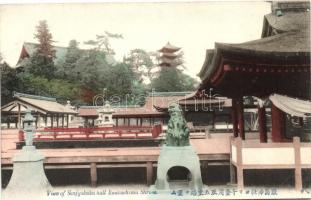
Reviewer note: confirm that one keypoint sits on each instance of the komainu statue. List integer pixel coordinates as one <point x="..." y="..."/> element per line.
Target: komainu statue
<point x="177" y="131"/>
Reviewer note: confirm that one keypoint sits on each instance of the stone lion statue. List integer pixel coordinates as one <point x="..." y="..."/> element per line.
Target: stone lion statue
<point x="177" y="131"/>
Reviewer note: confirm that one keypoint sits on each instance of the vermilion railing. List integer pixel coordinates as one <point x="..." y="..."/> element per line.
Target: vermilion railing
<point x="97" y="133"/>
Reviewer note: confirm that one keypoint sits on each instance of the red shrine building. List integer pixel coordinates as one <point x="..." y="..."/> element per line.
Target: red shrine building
<point x="278" y="63"/>
<point x="275" y="70"/>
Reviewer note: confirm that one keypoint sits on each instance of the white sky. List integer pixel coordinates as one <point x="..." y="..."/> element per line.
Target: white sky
<point x="194" y="26"/>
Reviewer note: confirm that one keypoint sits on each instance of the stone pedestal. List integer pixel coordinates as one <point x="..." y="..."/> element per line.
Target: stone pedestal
<point x="183" y="156"/>
<point x="28" y="177"/>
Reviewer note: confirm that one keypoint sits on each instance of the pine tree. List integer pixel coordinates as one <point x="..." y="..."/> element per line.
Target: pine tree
<point x="67" y="67"/>
<point x="41" y="63"/>
<point x="44" y="37"/>
<point x="73" y="53"/>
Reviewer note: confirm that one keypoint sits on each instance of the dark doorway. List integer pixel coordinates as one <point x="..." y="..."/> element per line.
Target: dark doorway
<point x="178" y="173"/>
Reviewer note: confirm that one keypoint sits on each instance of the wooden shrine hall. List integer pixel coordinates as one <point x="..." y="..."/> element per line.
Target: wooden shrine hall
<point x="47" y="111"/>
<point x="276" y="71"/>
<point x="278" y="63"/>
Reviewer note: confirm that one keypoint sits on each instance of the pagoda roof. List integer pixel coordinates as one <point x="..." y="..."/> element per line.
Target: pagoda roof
<point x="168" y="48"/>
<point x="169" y="55"/>
<point x="168" y="62"/>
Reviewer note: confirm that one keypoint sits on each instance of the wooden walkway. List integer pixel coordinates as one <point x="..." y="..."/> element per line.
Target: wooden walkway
<point x="212" y="151"/>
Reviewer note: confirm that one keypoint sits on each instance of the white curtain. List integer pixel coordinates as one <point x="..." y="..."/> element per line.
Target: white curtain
<point x="292" y="106"/>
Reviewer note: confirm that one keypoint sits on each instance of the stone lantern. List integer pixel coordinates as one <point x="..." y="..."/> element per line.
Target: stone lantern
<point x="105" y="116"/>
<point x="29" y="128"/>
<point x="28" y="179"/>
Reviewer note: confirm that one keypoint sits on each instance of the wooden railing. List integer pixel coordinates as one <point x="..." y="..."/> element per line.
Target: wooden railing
<point x="284" y="155"/>
<point x="97" y="133"/>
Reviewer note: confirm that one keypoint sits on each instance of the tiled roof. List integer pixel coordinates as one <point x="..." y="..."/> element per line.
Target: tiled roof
<point x="289" y="21"/>
<point x="290" y="40"/>
<point x="60" y="53"/>
<point x="293" y="42"/>
<point x="37" y="103"/>
<point x="91" y="112"/>
<point x="154" y="101"/>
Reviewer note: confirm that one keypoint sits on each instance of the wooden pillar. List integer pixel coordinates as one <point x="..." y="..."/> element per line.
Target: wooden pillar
<point x="278" y="124"/>
<point x="67" y="119"/>
<point x="93" y="170"/>
<point x="63" y="120"/>
<point x="46" y="120"/>
<point x="150" y="121"/>
<point x="232" y="169"/>
<point x="298" y="173"/>
<point x="117" y="121"/>
<point x="36" y="122"/>
<point x="57" y="120"/>
<point x="136" y="121"/>
<point x="240" y="111"/>
<point x="213" y="120"/>
<point x="240" y="175"/>
<point x="19" y="117"/>
<point x="262" y="121"/>
<point x="149" y="172"/>
<point x="300" y="121"/>
<point x="52" y="123"/>
<point x="234" y="118"/>
<point x="141" y="121"/>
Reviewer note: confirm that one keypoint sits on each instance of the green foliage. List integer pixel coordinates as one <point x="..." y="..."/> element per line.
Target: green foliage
<point x="82" y="74"/>
<point x="41" y="63"/>
<point x="141" y="63"/>
<point x="120" y="79"/>
<point x="9" y="82"/>
<point x="171" y="79"/>
<point x="102" y="42"/>
<point x="44" y="38"/>
<point x="67" y="65"/>
<point x="60" y="89"/>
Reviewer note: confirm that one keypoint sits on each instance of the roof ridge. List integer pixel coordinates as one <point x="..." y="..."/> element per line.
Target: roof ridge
<point x="163" y="94"/>
<point x="31" y="96"/>
<point x="33" y="43"/>
<point x="120" y="106"/>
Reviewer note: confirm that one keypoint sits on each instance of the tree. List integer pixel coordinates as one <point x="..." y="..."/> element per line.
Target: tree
<point x="9" y="82"/>
<point x="171" y="78"/>
<point x="141" y="63"/>
<point x="67" y="66"/>
<point x="41" y="63"/>
<point x="102" y="42"/>
<point x="44" y="37"/>
<point x="73" y="53"/>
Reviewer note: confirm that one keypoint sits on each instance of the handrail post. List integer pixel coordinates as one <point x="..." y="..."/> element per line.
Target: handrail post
<point x="240" y="175"/>
<point x="298" y="173"/>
